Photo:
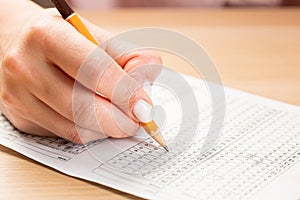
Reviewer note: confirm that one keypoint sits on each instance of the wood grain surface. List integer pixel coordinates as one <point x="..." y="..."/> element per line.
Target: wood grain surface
<point x="255" y="50"/>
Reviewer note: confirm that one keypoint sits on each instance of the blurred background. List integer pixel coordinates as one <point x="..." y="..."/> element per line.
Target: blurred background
<point x="109" y="4"/>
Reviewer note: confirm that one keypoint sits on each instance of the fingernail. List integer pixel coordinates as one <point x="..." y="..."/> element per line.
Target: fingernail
<point x="147" y="88"/>
<point x="142" y="111"/>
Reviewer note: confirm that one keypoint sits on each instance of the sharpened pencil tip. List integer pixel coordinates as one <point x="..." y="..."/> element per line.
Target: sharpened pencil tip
<point x="166" y="148"/>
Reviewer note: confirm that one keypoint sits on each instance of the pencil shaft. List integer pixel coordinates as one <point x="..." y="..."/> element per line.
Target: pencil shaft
<point x="63" y="8"/>
<point x="75" y="20"/>
<point x="69" y="15"/>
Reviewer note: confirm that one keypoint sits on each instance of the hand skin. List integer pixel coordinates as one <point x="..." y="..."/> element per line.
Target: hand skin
<point x="37" y="76"/>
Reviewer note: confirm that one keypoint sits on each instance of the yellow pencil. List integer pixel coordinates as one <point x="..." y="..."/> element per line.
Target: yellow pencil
<point x="73" y="18"/>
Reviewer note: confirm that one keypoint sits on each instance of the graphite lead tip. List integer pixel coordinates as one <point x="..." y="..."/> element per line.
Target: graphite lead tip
<point x="166" y="148"/>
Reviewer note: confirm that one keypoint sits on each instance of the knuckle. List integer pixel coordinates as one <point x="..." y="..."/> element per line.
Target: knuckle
<point x="38" y="33"/>
<point x="13" y="104"/>
<point x="11" y="63"/>
<point x="7" y="98"/>
<point x="37" y="29"/>
<point x="15" y="68"/>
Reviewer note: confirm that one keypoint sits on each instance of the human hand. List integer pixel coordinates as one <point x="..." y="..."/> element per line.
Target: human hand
<point x="41" y="57"/>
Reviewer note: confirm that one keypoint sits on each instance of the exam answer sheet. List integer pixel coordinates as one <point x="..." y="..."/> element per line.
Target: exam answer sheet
<point x="259" y="140"/>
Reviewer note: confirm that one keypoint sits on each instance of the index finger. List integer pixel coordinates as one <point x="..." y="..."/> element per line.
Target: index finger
<point x="90" y="65"/>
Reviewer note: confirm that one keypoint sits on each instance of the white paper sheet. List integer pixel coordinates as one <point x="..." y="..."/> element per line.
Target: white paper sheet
<point x="260" y="139"/>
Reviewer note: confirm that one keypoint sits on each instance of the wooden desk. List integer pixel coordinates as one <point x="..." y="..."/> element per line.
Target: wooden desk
<point x="256" y="50"/>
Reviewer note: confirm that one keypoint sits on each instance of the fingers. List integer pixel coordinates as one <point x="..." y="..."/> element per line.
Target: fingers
<point x="67" y="129"/>
<point x="79" y="104"/>
<point x="11" y="113"/>
<point x="44" y="121"/>
<point x="26" y="125"/>
<point x="18" y="101"/>
<point x="38" y="89"/>
<point x="61" y="126"/>
<point x="141" y="64"/>
<point x="68" y="49"/>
